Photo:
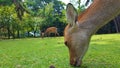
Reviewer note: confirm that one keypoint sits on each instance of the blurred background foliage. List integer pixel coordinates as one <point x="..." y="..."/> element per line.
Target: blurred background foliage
<point x="19" y="17"/>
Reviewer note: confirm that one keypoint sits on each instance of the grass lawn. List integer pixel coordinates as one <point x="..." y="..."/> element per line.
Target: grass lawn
<point x="103" y="52"/>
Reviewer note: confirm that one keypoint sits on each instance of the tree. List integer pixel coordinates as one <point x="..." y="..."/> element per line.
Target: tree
<point x="117" y="23"/>
<point x="28" y="23"/>
<point x="20" y="8"/>
<point x="5" y="2"/>
<point x="7" y="18"/>
<point x="87" y="2"/>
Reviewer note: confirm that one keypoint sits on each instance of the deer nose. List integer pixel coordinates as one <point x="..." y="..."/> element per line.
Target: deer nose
<point x="76" y="63"/>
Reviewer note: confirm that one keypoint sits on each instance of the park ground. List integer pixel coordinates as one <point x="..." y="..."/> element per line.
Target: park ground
<point x="103" y="52"/>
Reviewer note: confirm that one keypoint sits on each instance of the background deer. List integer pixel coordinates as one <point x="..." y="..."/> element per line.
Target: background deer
<point x="78" y="32"/>
<point x="50" y="30"/>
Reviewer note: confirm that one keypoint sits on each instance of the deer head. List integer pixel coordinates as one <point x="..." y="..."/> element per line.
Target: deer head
<point x="76" y="37"/>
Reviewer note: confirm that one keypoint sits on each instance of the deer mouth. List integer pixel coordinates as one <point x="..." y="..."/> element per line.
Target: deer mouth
<point x="76" y="63"/>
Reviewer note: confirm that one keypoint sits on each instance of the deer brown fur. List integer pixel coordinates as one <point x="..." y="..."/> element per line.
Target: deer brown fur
<point x="50" y="30"/>
<point x="80" y="28"/>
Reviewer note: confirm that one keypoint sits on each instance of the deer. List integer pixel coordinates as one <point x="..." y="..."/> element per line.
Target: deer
<point x="80" y="28"/>
<point x="50" y="30"/>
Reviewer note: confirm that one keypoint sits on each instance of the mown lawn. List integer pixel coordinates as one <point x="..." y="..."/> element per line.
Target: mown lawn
<point x="103" y="52"/>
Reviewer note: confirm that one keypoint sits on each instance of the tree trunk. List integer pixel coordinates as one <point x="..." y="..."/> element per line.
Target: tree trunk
<point x="13" y="34"/>
<point x="8" y="29"/>
<point x="18" y="33"/>
<point x="116" y="25"/>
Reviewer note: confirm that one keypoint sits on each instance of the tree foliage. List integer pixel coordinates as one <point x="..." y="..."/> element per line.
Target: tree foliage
<point x="7" y="19"/>
<point x="18" y="21"/>
<point x="5" y="2"/>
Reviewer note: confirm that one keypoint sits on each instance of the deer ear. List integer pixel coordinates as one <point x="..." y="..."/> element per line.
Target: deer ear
<point x="71" y="14"/>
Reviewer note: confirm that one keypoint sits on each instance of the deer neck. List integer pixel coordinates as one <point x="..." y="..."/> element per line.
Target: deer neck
<point x="99" y="14"/>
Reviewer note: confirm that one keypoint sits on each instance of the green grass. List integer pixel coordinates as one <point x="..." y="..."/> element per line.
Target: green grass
<point x="103" y="52"/>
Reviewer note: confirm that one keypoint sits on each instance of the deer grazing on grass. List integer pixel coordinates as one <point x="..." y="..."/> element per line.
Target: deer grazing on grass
<point x="50" y="30"/>
<point x="80" y="28"/>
